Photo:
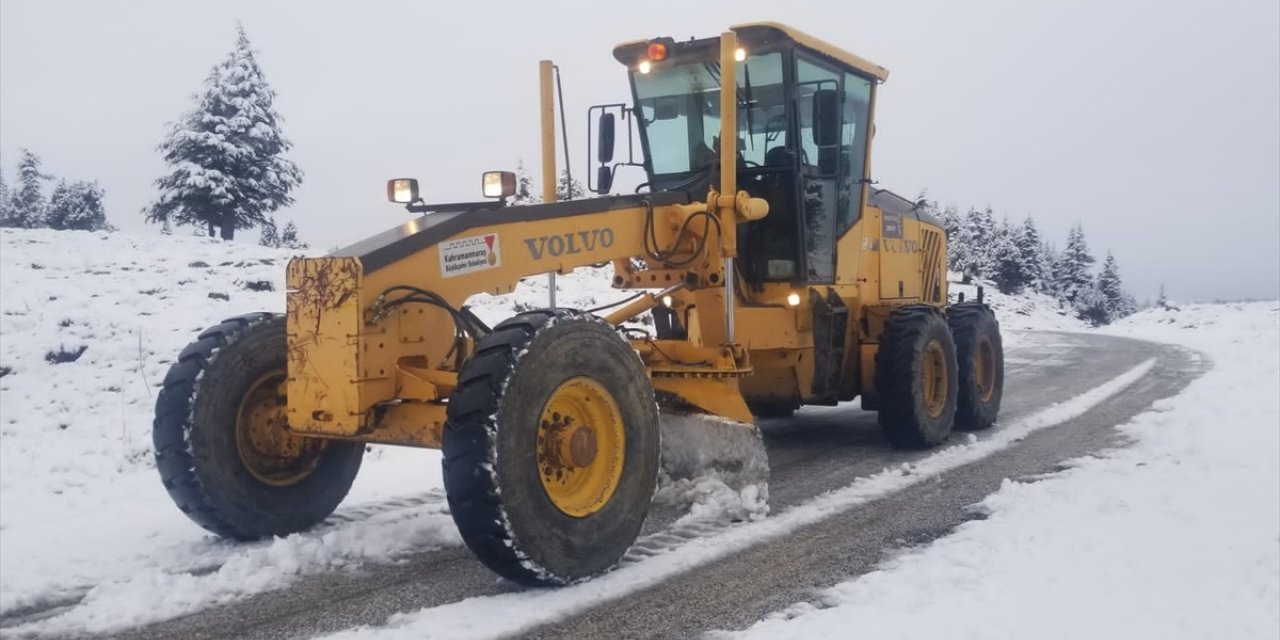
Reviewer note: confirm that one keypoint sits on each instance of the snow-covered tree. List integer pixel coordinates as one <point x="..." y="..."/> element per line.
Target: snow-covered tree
<point x="4" y="198"/>
<point x="26" y="203"/>
<point x="286" y="238"/>
<point x="1007" y="268"/>
<point x="226" y="156"/>
<point x="974" y="243"/>
<point x="270" y="235"/>
<point x="524" y="187"/>
<point x="1027" y="238"/>
<point x="289" y="238"/>
<point x="569" y="188"/>
<point x="1116" y="302"/>
<point x="1072" y="276"/>
<point x="77" y="206"/>
<point x="1162" y="301"/>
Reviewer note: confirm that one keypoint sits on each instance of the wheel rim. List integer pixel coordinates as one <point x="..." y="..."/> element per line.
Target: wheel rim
<point x="269" y="451"/>
<point x="984" y="370"/>
<point x="581" y="447"/>
<point x="933" y="379"/>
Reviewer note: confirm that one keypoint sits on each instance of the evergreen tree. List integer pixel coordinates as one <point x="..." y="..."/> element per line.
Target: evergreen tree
<point x="77" y="206"/>
<point x="27" y="204"/>
<point x="1027" y="239"/>
<point x="1050" y="258"/>
<point x="1007" y="268"/>
<point x="289" y="238"/>
<point x="270" y="236"/>
<point x="1071" y="272"/>
<point x="5" y="204"/>
<point x="569" y="189"/>
<point x="524" y="187"/>
<point x="227" y="154"/>
<point x="1162" y="301"/>
<point x="974" y="243"/>
<point x="1116" y="303"/>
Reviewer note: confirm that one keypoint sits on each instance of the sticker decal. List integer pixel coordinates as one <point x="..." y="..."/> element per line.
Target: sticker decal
<point x="891" y="226"/>
<point x="468" y="255"/>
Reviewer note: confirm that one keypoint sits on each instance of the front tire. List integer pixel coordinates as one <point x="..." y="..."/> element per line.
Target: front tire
<point x="551" y="448"/>
<point x="222" y="446"/>
<point x="916" y="378"/>
<point x="980" y="356"/>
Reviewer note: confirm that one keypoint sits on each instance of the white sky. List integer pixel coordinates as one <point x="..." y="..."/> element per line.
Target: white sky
<point x="1155" y="124"/>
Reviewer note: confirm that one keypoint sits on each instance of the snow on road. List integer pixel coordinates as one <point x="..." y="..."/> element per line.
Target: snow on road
<point x="1177" y="536"/>
<point x="473" y="617"/>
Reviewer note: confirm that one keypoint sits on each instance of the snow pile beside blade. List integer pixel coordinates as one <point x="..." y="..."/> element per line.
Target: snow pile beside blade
<point x="718" y="467"/>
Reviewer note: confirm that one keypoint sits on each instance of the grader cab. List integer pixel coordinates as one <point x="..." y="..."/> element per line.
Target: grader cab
<point x="776" y="274"/>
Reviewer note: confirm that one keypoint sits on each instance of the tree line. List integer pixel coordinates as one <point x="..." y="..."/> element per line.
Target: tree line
<point x="72" y="205"/>
<point x="1016" y="258"/>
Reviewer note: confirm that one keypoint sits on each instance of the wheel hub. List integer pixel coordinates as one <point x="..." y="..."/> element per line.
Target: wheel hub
<point x="580" y="447"/>
<point x="933" y="379"/>
<point x="269" y="451"/>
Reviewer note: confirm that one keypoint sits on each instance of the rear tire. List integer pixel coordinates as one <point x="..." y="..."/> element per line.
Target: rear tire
<point x="498" y="475"/>
<point x="201" y="450"/>
<point x="980" y="357"/>
<point x="916" y="378"/>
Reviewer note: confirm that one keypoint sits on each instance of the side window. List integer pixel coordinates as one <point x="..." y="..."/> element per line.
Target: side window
<point x="814" y="85"/>
<point x="853" y="149"/>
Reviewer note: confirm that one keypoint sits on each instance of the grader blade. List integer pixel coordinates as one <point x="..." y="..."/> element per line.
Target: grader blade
<point x="699" y="446"/>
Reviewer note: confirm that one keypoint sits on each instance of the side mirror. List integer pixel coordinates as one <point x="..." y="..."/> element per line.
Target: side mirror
<point x="402" y="190"/>
<point x="604" y="179"/>
<point x="604" y="147"/>
<point x="826" y="118"/>
<point x="498" y="184"/>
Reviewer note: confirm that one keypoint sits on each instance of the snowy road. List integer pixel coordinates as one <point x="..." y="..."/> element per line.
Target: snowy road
<point x="818" y="451"/>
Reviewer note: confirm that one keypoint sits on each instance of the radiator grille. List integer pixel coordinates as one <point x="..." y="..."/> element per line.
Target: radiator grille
<point x="931" y="265"/>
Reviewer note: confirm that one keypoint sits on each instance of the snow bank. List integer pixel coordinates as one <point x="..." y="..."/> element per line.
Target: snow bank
<point x="1177" y="536"/>
<point x="1027" y="311"/>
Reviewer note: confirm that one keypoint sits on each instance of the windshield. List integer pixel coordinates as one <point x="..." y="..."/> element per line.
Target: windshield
<point x="680" y="112"/>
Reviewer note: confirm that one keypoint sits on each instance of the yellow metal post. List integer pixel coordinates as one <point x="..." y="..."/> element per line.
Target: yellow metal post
<point x="547" y="109"/>
<point x="728" y="170"/>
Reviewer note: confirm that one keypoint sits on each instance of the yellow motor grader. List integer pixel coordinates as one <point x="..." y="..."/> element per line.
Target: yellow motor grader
<point x="776" y="275"/>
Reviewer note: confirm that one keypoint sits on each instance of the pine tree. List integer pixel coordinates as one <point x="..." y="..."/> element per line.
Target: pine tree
<point x="524" y="187"/>
<point x="77" y="206"/>
<point x="1007" y="268"/>
<point x="1051" y="259"/>
<point x="569" y="188"/>
<point x="270" y="235"/>
<point x="5" y="204"/>
<point x="1027" y="239"/>
<point x="227" y="154"/>
<point x="974" y="243"/>
<point x="1162" y="301"/>
<point x="27" y="204"/>
<point x="289" y="238"/>
<point x="1116" y="303"/>
<point x="1071" y="273"/>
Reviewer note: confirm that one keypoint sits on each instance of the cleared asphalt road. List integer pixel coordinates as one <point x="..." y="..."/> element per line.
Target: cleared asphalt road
<point x="814" y="452"/>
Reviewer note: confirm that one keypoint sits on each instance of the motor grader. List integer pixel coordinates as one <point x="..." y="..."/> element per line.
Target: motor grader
<point x="776" y="274"/>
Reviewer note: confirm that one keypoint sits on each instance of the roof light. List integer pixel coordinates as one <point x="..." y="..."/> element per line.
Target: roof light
<point x="657" y="51"/>
<point x="740" y="54"/>
<point x="645" y="66"/>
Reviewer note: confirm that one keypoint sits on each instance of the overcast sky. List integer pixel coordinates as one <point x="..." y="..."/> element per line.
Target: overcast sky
<point x="1155" y="124"/>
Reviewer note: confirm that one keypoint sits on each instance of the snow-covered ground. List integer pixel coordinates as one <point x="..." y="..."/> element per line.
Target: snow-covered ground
<point x="82" y="513"/>
<point x="1176" y="536"/>
<point x="81" y="508"/>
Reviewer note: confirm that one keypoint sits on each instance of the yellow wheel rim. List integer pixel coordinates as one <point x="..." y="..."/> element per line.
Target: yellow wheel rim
<point x="933" y="379"/>
<point x="271" y="452"/>
<point x="581" y="447"/>
<point x="984" y="370"/>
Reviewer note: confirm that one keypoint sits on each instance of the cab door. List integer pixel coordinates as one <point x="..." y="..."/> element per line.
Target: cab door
<point x="818" y="107"/>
